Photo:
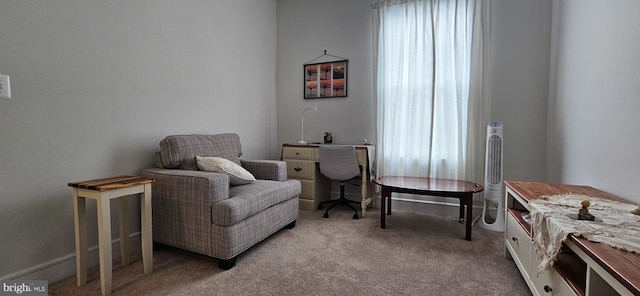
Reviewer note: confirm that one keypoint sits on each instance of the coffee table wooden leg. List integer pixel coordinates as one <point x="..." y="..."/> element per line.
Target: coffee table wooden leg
<point x="469" y="218"/>
<point x="389" y="201"/>
<point x="383" y="196"/>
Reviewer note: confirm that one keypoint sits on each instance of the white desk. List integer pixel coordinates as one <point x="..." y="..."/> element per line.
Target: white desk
<point x="302" y="164"/>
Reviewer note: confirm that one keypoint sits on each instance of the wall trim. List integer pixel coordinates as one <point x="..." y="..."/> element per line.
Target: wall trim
<point x="65" y="266"/>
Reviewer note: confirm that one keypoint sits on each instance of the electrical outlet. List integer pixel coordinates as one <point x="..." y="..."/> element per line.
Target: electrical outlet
<point x="5" y="87"/>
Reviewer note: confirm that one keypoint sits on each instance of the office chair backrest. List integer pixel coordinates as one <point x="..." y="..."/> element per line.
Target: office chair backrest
<point x="339" y="162"/>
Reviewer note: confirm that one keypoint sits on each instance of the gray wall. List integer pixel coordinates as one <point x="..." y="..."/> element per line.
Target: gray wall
<point x="97" y="84"/>
<point x="305" y="29"/>
<point x="520" y="41"/>
<point x="595" y="96"/>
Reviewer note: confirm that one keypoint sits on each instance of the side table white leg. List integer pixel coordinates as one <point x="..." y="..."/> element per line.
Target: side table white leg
<point x="104" y="243"/>
<point x="146" y="229"/>
<point x="124" y="230"/>
<point x="80" y="221"/>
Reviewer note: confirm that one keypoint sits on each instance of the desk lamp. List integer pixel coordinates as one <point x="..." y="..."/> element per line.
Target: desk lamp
<point x="302" y="141"/>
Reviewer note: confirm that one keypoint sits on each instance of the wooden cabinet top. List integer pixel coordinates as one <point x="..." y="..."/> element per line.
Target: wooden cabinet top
<point x="622" y="265"/>
<point x="534" y="190"/>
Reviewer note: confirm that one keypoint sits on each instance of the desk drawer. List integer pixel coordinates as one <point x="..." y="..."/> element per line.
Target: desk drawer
<point x="297" y="153"/>
<point x="307" y="189"/>
<point x="300" y="169"/>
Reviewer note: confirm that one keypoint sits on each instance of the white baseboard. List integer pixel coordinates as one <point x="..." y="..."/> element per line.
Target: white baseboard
<point x="65" y="266"/>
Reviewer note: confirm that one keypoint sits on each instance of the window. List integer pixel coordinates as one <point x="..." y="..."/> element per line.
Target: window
<point x="422" y="62"/>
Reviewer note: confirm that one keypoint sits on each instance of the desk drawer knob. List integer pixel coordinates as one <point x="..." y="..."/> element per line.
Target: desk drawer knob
<point x="547" y="289"/>
<point x="513" y="238"/>
<point x="297" y="169"/>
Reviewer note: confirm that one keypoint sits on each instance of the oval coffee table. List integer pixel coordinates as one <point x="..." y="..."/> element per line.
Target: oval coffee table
<point x="462" y="190"/>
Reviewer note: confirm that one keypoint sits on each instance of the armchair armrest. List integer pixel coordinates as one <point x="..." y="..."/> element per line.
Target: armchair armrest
<point x="182" y="202"/>
<point x="205" y="188"/>
<point x="275" y="170"/>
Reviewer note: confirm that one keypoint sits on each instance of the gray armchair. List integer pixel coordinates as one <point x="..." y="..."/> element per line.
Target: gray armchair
<point x="202" y="212"/>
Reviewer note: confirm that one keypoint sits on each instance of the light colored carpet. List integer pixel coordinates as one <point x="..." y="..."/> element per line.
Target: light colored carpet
<point x="415" y="255"/>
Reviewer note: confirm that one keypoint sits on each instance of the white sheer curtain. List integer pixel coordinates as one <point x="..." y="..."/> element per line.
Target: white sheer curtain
<point x="428" y="122"/>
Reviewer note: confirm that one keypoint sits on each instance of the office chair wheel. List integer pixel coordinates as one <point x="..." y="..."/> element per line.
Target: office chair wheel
<point x="355" y="216"/>
<point x="326" y="215"/>
<point x="320" y="207"/>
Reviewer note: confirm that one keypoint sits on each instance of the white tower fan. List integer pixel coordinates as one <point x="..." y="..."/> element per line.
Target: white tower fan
<point x="493" y="183"/>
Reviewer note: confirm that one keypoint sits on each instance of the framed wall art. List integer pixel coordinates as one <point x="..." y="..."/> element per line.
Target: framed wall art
<point x="325" y="80"/>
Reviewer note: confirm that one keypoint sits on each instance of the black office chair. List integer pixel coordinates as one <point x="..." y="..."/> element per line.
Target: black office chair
<point x="340" y="163"/>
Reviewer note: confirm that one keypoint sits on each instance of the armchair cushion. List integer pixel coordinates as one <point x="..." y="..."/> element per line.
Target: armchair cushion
<point x="248" y="200"/>
<point x="237" y="174"/>
<point x="180" y="151"/>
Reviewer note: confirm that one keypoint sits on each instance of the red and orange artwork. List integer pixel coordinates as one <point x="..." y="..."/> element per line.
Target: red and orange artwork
<point x="325" y="71"/>
<point x="338" y="88"/>
<point x="325" y="88"/>
<point x="325" y="79"/>
<point x="338" y="70"/>
<point x="311" y="73"/>
<point x="311" y="89"/>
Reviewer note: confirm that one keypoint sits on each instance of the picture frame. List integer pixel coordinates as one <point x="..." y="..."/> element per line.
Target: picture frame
<point x="325" y="80"/>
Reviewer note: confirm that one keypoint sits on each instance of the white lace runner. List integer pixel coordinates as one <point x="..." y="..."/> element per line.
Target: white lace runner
<point x="615" y="225"/>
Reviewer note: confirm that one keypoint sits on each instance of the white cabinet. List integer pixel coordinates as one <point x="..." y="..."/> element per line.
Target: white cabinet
<point x="582" y="267"/>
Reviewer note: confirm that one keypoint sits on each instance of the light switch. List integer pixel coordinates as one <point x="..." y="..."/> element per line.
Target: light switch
<point x="5" y="87"/>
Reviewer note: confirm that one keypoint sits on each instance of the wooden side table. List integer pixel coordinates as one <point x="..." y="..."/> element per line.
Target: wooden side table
<point x="103" y="190"/>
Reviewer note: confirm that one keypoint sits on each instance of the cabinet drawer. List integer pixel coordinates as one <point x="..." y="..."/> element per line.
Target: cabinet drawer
<point x="567" y="276"/>
<point x="299" y="169"/>
<point x="297" y="153"/>
<point x="519" y="242"/>
<point x="307" y="189"/>
<point x="540" y="281"/>
<point x="549" y="282"/>
<point x="558" y="285"/>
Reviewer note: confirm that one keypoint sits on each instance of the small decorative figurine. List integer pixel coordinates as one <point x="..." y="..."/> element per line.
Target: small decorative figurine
<point x="328" y="138"/>
<point x="583" y="213"/>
